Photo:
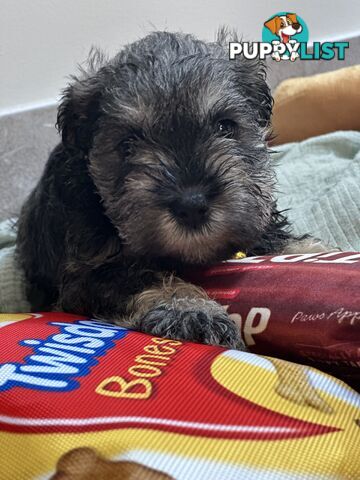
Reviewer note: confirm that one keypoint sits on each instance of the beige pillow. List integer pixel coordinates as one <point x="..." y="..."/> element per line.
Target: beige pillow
<point x="308" y="106"/>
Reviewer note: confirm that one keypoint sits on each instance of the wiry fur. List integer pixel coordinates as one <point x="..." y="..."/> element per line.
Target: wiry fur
<point x="137" y="132"/>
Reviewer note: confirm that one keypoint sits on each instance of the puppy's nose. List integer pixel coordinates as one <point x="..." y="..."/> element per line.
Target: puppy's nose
<point x="296" y="26"/>
<point x="191" y="209"/>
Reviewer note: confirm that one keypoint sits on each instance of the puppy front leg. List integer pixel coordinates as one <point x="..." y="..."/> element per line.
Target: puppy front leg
<point x="307" y="244"/>
<point x="179" y="310"/>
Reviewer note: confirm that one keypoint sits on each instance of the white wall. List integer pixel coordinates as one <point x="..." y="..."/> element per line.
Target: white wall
<point x="41" y="41"/>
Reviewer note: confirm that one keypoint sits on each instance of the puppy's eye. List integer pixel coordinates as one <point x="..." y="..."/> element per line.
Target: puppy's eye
<point x="226" y="128"/>
<point x="127" y="145"/>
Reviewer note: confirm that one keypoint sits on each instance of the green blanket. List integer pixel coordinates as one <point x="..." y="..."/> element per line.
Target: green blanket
<point x="319" y="181"/>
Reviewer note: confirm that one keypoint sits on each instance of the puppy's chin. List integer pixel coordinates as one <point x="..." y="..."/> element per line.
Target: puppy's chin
<point x="194" y="246"/>
<point x="164" y="239"/>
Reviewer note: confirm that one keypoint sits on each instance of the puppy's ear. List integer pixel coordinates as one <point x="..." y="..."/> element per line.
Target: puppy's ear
<point x="273" y="24"/>
<point x="251" y="75"/>
<point x="79" y="109"/>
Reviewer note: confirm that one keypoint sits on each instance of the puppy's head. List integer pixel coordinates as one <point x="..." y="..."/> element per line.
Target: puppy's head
<point x="175" y="137"/>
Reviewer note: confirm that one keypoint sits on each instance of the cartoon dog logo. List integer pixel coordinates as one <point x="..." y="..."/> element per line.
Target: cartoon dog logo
<point x="284" y="27"/>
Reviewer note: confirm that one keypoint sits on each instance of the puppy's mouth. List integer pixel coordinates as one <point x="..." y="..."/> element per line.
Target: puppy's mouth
<point x="194" y="242"/>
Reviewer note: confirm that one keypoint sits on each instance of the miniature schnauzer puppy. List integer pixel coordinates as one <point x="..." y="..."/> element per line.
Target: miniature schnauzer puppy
<point x="163" y="163"/>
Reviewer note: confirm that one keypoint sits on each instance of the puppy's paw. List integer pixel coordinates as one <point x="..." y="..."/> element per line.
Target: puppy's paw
<point x="308" y="244"/>
<point x="192" y="319"/>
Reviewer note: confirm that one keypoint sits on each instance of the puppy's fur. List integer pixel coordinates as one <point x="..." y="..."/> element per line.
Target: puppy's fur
<point x="163" y="163"/>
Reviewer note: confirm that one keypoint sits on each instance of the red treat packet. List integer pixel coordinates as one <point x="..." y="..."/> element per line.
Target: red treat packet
<point x="301" y="307"/>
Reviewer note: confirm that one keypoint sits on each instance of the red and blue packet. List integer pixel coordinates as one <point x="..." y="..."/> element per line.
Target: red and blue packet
<point x="188" y="410"/>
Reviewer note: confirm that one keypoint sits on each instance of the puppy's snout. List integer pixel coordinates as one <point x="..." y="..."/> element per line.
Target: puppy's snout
<point x="191" y="208"/>
<point x="296" y="26"/>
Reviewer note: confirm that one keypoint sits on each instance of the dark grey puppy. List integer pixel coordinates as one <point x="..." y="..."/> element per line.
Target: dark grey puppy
<point x="163" y="163"/>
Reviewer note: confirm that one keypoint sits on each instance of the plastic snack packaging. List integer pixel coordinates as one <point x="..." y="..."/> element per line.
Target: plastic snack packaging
<point x="80" y="398"/>
<point x="304" y="308"/>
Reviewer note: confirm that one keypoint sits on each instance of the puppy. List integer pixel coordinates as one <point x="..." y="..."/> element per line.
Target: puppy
<point x="163" y="163"/>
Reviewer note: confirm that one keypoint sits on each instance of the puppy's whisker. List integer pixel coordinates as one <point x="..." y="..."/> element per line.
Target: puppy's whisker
<point x="166" y="170"/>
<point x="169" y="176"/>
<point x="153" y="175"/>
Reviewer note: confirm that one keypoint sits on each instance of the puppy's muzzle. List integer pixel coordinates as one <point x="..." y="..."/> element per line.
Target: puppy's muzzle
<point x="191" y="209"/>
